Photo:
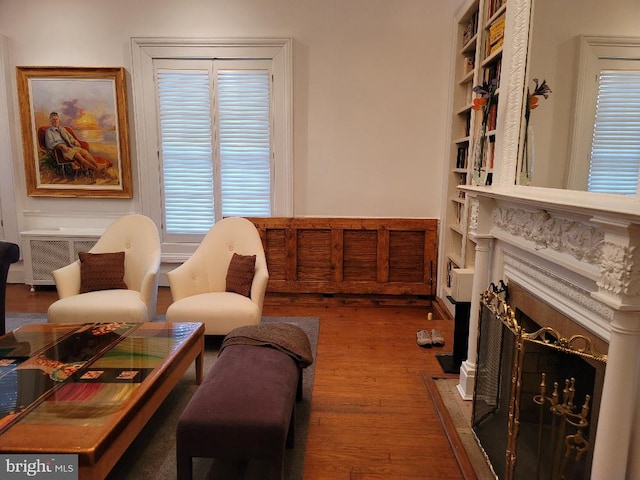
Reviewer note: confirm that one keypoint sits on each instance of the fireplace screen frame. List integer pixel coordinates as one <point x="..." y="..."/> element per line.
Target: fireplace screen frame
<point x="508" y="343"/>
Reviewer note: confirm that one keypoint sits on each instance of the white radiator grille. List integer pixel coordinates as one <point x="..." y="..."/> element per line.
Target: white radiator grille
<point x="44" y="255"/>
<point x="82" y="246"/>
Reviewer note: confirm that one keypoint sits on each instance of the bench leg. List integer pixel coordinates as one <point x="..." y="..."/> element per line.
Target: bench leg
<point x="299" y="390"/>
<point x="200" y="363"/>
<point x="276" y="469"/>
<point x="184" y="467"/>
<point x="291" y="434"/>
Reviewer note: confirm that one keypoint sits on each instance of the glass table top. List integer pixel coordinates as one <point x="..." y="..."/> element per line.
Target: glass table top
<point x="80" y="374"/>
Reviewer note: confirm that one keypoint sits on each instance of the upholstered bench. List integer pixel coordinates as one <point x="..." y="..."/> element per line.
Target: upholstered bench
<point x="244" y="409"/>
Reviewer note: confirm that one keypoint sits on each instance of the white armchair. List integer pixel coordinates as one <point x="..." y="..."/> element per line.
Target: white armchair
<point x="135" y="235"/>
<point x="199" y="285"/>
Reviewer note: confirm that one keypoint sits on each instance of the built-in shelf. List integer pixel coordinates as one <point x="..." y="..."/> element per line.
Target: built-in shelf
<point x="456" y="228"/>
<point x="470" y="46"/>
<point x="477" y="33"/>
<point x="456" y="260"/>
<point x="497" y="14"/>
<point x="492" y="58"/>
<point x="468" y="77"/>
<point x="464" y="109"/>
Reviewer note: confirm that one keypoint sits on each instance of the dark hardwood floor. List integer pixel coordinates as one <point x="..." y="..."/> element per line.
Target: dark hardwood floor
<point x="372" y="416"/>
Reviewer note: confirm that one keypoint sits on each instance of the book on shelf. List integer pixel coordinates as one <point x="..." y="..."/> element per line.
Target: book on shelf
<point x="491" y="153"/>
<point x="491" y="49"/>
<point x="496" y="30"/>
<point x="493" y="71"/>
<point x="493" y="6"/>
<point x="467" y="35"/>
<point x="461" y="158"/>
<point x="470" y="29"/>
<point x="467" y="125"/>
<point x="492" y="117"/>
<point x="462" y="180"/>
<point x="458" y="209"/>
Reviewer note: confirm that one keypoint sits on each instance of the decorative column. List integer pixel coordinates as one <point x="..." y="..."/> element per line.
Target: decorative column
<point x="634" y="456"/>
<point x="480" y="283"/>
<point x="479" y="221"/>
<point x="616" y="449"/>
<point x="613" y="449"/>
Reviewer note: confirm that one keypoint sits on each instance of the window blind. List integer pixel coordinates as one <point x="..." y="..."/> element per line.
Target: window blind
<point x="244" y="142"/>
<point x="214" y="166"/>
<point x="615" y="150"/>
<point x="184" y="101"/>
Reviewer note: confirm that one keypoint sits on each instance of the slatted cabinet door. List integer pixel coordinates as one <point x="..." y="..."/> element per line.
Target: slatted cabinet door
<point x="350" y="256"/>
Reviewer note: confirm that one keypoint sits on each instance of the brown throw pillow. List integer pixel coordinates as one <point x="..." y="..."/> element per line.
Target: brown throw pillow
<point x="101" y="271"/>
<point x="240" y="274"/>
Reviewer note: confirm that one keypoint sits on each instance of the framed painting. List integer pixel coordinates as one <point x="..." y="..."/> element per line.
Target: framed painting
<point x="75" y="132"/>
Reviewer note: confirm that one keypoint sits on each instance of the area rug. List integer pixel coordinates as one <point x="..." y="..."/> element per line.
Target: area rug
<point x="152" y="454"/>
<point x="14" y="320"/>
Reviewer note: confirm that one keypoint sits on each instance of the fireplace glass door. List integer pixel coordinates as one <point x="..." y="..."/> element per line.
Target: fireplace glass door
<point x="536" y="398"/>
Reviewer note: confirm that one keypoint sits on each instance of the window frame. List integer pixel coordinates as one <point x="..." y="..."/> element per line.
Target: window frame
<point x="144" y="51"/>
<point x="596" y="53"/>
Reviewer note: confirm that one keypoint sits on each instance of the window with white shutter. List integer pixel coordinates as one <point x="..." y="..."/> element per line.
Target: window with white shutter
<point x="214" y="130"/>
<point x="605" y="140"/>
<point x="615" y="147"/>
<point x="215" y="135"/>
<point x="186" y="153"/>
<point x="243" y="116"/>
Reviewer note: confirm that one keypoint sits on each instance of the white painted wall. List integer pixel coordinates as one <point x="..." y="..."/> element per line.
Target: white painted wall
<point x="370" y="92"/>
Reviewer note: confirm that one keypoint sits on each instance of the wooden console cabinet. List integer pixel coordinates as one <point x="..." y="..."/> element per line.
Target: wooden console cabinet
<point x="371" y="256"/>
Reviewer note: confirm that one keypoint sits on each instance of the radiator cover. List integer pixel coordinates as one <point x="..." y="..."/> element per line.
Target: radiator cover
<point x="47" y="250"/>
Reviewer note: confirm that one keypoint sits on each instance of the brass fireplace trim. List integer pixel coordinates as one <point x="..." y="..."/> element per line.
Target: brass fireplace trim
<point x="502" y="310"/>
<point x="580" y="345"/>
<point x="576" y="344"/>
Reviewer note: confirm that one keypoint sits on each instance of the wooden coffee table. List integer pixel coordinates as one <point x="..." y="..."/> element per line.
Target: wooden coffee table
<point x="88" y="389"/>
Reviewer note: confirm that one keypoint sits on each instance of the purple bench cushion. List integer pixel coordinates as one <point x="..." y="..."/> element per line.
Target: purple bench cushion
<point x="243" y="408"/>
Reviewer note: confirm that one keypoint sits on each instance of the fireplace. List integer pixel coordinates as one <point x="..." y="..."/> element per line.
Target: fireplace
<point x="581" y="259"/>
<point x="537" y="395"/>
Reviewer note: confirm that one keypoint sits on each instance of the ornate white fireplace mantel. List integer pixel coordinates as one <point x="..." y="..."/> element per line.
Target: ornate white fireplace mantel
<point x="582" y="259"/>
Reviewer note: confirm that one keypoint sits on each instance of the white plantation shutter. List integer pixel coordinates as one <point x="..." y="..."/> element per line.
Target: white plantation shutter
<point x="615" y="150"/>
<point x="187" y="151"/>
<point x="177" y="123"/>
<point x="214" y="165"/>
<point x="244" y="142"/>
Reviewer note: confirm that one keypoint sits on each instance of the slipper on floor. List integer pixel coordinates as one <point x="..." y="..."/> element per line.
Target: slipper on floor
<point x="424" y="338"/>
<point x="437" y="340"/>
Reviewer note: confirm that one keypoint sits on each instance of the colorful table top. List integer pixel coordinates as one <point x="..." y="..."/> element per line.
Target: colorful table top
<point x="80" y="374"/>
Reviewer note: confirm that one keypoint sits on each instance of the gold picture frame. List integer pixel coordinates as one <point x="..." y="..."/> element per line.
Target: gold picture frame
<point x="75" y="132"/>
